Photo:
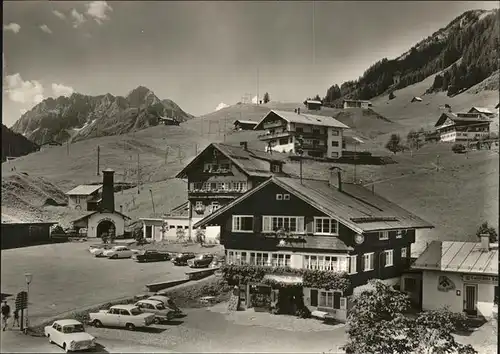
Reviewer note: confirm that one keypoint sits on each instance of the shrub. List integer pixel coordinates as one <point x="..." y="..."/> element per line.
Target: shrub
<point x="303" y="312"/>
<point x="458" y="148"/>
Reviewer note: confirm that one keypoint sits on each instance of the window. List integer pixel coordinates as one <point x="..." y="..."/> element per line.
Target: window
<point x="330" y="299"/>
<point x="368" y="261"/>
<point x="353" y="264"/>
<point x="299" y="130"/>
<point x="389" y="258"/>
<point x="283" y="141"/>
<point x="321" y="262"/>
<point x="215" y="206"/>
<point x="279" y="196"/>
<point x="259" y="258"/>
<point x="410" y="285"/>
<point x="326" y="226"/>
<point x="399" y="233"/>
<point x="236" y="257"/>
<point x="199" y="204"/>
<point x="186" y="227"/>
<point x="335" y="143"/>
<point x="404" y="252"/>
<point x="281" y="260"/>
<point x="172" y="227"/>
<point x="334" y="155"/>
<point x="383" y="235"/>
<point x="275" y="168"/>
<point x="124" y="313"/>
<point x="293" y="224"/>
<point x="242" y="223"/>
<point x="286" y="196"/>
<point x="335" y="132"/>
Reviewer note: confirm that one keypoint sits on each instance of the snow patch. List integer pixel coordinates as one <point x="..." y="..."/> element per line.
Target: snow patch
<point x="87" y="124"/>
<point x="221" y="106"/>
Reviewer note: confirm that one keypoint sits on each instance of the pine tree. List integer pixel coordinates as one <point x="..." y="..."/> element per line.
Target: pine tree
<point x="266" y="97"/>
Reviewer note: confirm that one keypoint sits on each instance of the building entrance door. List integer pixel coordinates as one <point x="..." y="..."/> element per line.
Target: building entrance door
<point x="470" y="299"/>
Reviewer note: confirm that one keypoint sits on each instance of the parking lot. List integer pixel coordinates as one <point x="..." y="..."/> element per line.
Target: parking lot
<point x="66" y="277"/>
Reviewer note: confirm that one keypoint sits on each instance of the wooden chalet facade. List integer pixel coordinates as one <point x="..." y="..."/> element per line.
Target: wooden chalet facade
<point x="463" y="127"/>
<point x="221" y="173"/>
<point x="318" y="226"/>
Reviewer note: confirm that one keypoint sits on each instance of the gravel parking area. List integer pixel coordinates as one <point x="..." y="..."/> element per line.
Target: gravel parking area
<point x="203" y="330"/>
<point x="66" y="277"/>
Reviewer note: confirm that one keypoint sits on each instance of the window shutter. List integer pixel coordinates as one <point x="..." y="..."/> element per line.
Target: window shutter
<point x="235" y="224"/>
<point x="266" y="223"/>
<point x="300" y="224"/>
<point x="343" y="302"/>
<point x="257" y="224"/>
<point x="309" y="220"/>
<point x="336" y="300"/>
<point x="314" y="297"/>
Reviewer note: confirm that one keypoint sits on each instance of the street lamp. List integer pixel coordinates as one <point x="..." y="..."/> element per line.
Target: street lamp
<point x="29" y="278"/>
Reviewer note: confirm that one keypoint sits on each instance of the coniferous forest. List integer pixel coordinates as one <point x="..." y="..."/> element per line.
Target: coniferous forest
<point x="466" y="51"/>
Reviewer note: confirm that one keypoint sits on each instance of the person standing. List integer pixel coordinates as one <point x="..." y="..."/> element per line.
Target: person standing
<point x="16" y="318"/>
<point x="5" y="314"/>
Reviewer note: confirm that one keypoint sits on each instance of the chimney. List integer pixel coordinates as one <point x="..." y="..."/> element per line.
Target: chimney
<point x="244" y="145"/>
<point x="335" y="181"/>
<point x="108" y="191"/>
<point x="298" y="110"/>
<point x="485" y="242"/>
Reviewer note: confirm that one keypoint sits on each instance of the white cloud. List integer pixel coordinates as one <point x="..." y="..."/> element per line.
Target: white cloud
<point x="99" y="10"/>
<point x="21" y="91"/>
<point x="221" y="105"/>
<point x="14" y="27"/>
<point x="59" y="14"/>
<point x="61" y="90"/>
<point x="46" y="29"/>
<point x="255" y="100"/>
<point x="78" y="18"/>
<point x="23" y="111"/>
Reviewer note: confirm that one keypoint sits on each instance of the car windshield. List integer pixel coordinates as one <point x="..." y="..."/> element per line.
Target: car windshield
<point x="78" y="328"/>
<point x="135" y="311"/>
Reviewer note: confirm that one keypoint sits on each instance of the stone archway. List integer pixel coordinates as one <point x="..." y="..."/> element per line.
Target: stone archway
<point x="105" y="226"/>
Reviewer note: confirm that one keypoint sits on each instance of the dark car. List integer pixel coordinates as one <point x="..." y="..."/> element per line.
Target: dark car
<point x="182" y="259"/>
<point x="218" y="261"/>
<point x="151" y="256"/>
<point x="201" y="261"/>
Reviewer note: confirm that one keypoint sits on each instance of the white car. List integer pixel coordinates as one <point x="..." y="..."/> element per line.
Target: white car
<point x="98" y="250"/>
<point x="70" y="335"/>
<point x="128" y="316"/>
<point x="118" y="252"/>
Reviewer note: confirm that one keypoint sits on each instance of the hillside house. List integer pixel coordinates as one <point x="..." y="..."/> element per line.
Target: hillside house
<point x="416" y="99"/>
<point x="481" y="110"/>
<point x="313" y="105"/>
<point x="452" y="128"/>
<point x="221" y="173"/>
<point x="168" y="121"/>
<point x="244" y="124"/>
<point x="105" y="220"/>
<point x="84" y="197"/>
<point x="356" y="104"/>
<point x="461" y="275"/>
<point x="322" y="136"/>
<point x="315" y="225"/>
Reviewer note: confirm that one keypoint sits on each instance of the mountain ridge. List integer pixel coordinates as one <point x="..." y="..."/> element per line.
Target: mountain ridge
<point x="80" y="116"/>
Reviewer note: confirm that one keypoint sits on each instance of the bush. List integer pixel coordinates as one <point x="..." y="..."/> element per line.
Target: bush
<point x="458" y="148"/>
<point x="303" y="312"/>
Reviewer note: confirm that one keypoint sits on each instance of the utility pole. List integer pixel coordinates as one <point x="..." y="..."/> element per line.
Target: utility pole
<point x="314" y="36"/>
<point x="195" y="149"/>
<point x="138" y="175"/>
<point x="67" y="147"/>
<point x="152" y="201"/>
<point x="98" y="158"/>
<point x="355" y="166"/>
<point x="166" y="156"/>
<point x="258" y="85"/>
<point x="179" y="154"/>
<point x="437" y="162"/>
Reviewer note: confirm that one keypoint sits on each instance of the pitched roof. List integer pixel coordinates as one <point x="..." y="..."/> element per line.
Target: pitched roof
<point x="245" y="122"/>
<point x="357" y="101"/>
<point x="252" y="162"/>
<point x="95" y="212"/>
<point x="481" y="110"/>
<point x="84" y="189"/>
<point x="314" y="102"/>
<point x="460" y="257"/>
<point x="355" y="206"/>
<point x="456" y="119"/>
<point x="304" y="118"/>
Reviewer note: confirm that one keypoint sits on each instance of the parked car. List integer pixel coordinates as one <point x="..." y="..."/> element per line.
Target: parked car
<point x="128" y="316"/>
<point x="98" y="250"/>
<point x="161" y="312"/>
<point x="69" y="335"/>
<point x="151" y="256"/>
<point x="118" y="252"/>
<point x="201" y="261"/>
<point x="182" y="258"/>
<point x="168" y="302"/>
<point x="217" y="261"/>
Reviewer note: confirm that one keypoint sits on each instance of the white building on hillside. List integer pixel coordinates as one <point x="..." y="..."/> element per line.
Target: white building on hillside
<point x="322" y="136"/>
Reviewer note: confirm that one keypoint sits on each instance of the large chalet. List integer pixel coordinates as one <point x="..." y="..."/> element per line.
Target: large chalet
<point x="322" y="135"/>
<point x="466" y="126"/>
<point x="216" y="176"/>
<point x="316" y="225"/>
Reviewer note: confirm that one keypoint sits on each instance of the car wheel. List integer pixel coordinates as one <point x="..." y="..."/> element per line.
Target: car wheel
<point x="130" y="327"/>
<point x="50" y="340"/>
<point x="115" y="256"/>
<point x="157" y="320"/>
<point x="97" y="323"/>
<point x="64" y="347"/>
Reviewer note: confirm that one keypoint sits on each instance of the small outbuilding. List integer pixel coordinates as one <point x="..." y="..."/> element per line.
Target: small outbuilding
<point x="17" y="233"/>
<point x="313" y="105"/>
<point x="244" y="124"/>
<point x="416" y="99"/>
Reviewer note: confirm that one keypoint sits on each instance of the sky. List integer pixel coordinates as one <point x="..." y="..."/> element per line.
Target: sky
<point x="204" y="55"/>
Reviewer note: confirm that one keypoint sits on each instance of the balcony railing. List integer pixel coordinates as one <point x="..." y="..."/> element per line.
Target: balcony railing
<point x="274" y="124"/>
<point x="217" y="170"/>
<point x="314" y="147"/>
<point x="216" y="190"/>
<point x="275" y="135"/>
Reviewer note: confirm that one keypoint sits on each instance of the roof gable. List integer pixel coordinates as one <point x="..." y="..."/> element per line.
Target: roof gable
<point x="480" y="110"/>
<point x="303" y="118"/>
<point x="355" y="206"/>
<point x="84" y="189"/>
